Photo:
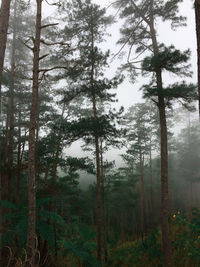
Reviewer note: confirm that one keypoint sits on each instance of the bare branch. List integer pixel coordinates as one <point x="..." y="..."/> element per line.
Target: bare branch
<point x="54" y="4"/>
<point x="46" y="55"/>
<point x="53" y="68"/>
<point x="128" y="39"/>
<point x="154" y="101"/>
<point x="49" y="25"/>
<point x="112" y="4"/>
<point x="129" y="53"/>
<point x="56" y="43"/>
<point x="28" y="46"/>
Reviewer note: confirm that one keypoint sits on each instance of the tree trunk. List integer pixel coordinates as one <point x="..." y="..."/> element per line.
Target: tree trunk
<point x="104" y="207"/>
<point x="142" y="197"/>
<point x="151" y="191"/>
<point x="166" y="242"/>
<point x="197" y="19"/>
<point x="55" y="165"/>
<point x="11" y="108"/>
<point x="4" y="20"/>
<point x="19" y="157"/>
<point x="31" y="235"/>
<point x="97" y="153"/>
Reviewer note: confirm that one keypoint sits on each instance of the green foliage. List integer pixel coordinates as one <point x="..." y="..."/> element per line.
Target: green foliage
<point x="17" y="221"/>
<point x="186" y="239"/>
<point x="81" y="244"/>
<point x="169" y="59"/>
<point x="138" y="253"/>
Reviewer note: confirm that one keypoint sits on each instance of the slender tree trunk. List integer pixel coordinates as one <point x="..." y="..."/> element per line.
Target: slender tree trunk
<point x="151" y="191"/>
<point x="11" y="107"/>
<point x="4" y="20"/>
<point x="197" y="19"/>
<point x="55" y="240"/>
<point x="166" y="242"/>
<point x="97" y="153"/>
<point x="19" y="157"/>
<point x="142" y="196"/>
<point x="46" y="174"/>
<point x="55" y="165"/>
<point x="31" y="235"/>
<point x="104" y="207"/>
<point x="98" y="189"/>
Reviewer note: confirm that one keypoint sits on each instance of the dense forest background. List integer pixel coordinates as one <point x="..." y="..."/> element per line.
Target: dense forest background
<point x="58" y="93"/>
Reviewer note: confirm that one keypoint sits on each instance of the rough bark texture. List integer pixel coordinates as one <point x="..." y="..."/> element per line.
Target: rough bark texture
<point x="11" y="107"/>
<point x="4" y="20"/>
<point x="197" y="19"/>
<point x="31" y="236"/>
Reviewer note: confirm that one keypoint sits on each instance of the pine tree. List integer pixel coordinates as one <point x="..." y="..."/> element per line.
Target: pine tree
<point x="139" y="31"/>
<point x="87" y="22"/>
<point x="31" y="235"/>
<point x="197" y="19"/>
<point x="4" y="21"/>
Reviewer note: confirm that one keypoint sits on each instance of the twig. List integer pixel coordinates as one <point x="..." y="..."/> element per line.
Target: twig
<point x="56" y="43"/>
<point x="48" y="25"/>
<point x="128" y="39"/>
<point x="40" y="58"/>
<point x="54" y="4"/>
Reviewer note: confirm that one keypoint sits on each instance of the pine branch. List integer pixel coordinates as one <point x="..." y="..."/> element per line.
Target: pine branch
<point x="128" y="39"/>
<point x="140" y="12"/>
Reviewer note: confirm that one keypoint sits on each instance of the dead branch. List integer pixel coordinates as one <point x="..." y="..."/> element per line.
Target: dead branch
<point x="28" y="46"/>
<point x="56" y="43"/>
<point x="49" y="25"/>
<point x="54" y="4"/>
<point x="46" y="55"/>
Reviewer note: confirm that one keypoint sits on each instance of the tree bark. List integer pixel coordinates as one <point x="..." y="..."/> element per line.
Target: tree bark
<point x="166" y="242"/>
<point x="97" y="153"/>
<point x="197" y="20"/>
<point x="31" y="235"/>
<point x="104" y="207"/>
<point x="151" y="190"/>
<point x="4" y="20"/>
<point x="55" y="165"/>
<point x="11" y="107"/>
<point x="19" y="162"/>
<point x="142" y="197"/>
